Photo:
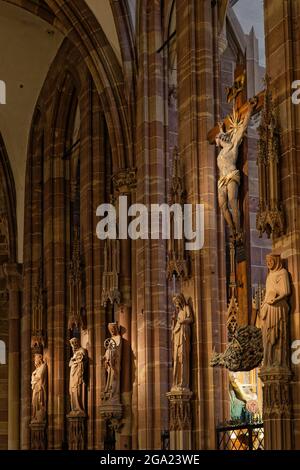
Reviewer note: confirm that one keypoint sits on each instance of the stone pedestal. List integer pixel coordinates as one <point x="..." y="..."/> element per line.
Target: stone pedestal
<point x="38" y="435"/>
<point x="180" y="419"/>
<point x="76" y="432"/>
<point x="277" y="408"/>
<point x="112" y="413"/>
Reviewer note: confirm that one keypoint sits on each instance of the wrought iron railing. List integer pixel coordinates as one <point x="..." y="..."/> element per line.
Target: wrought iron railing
<point x="236" y="435"/>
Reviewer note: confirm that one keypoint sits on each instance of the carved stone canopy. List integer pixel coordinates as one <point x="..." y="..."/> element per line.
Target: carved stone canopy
<point x="270" y="216"/>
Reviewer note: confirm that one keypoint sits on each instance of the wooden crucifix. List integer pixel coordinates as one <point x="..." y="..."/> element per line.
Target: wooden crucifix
<point x="229" y="136"/>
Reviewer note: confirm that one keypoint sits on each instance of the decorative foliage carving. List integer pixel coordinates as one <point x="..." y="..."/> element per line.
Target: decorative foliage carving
<point x="270" y="216"/>
<point x="177" y="263"/>
<point x="244" y="351"/>
<point x="125" y="180"/>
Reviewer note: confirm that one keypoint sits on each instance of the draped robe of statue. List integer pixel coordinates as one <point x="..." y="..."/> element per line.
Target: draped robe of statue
<point x="274" y="314"/>
<point x="112" y="363"/>
<point x="39" y="389"/>
<point x="181" y="342"/>
<point x="77" y="385"/>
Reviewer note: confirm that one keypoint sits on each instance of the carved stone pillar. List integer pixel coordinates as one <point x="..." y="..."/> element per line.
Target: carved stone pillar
<point x="124" y="184"/>
<point x="180" y="419"/>
<point x="76" y="432"/>
<point x="283" y="66"/>
<point x="277" y="408"/>
<point x="38" y="436"/>
<point x="13" y="276"/>
<point x="197" y="111"/>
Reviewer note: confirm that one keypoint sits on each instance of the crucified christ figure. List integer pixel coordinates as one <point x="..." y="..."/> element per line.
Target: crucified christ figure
<point x="229" y="179"/>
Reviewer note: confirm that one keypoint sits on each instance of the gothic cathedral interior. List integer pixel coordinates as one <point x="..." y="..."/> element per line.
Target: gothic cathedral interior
<point x="149" y="224"/>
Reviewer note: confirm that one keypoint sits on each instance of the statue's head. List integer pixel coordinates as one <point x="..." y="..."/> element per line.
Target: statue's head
<point x="113" y="328"/>
<point x="274" y="262"/>
<point x="75" y="344"/>
<point x="38" y="360"/>
<point x="179" y="301"/>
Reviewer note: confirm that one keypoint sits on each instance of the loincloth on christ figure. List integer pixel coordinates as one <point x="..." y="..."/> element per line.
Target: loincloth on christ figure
<point x="232" y="176"/>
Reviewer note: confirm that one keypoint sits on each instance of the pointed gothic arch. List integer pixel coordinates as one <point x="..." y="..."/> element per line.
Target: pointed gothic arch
<point x="8" y="201"/>
<point x="77" y="22"/>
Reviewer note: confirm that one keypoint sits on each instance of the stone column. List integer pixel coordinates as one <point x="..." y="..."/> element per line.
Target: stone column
<point x="124" y="184"/>
<point x="76" y="432"/>
<point x="151" y="284"/>
<point x="180" y="419"/>
<point x="38" y="436"/>
<point x="277" y="408"/>
<point x="283" y="66"/>
<point x="13" y="276"/>
<point x="197" y="65"/>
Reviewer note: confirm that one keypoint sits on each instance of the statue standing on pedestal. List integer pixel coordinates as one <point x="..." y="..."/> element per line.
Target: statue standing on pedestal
<point x="39" y="390"/>
<point x="77" y="387"/>
<point x="274" y="314"/>
<point x="112" y="363"/>
<point x="229" y="180"/>
<point x="181" y="343"/>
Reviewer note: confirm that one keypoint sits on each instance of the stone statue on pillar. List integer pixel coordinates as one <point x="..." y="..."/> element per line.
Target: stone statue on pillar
<point x="111" y="408"/>
<point x="275" y="372"/>
<point x="181" y="343"/>
<point x="274" y="314"/>
<point x="77" y="387"/>
<point x="39" y="390"/>
<point x="112" y="363"/>
<point x="179" y="397"/>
